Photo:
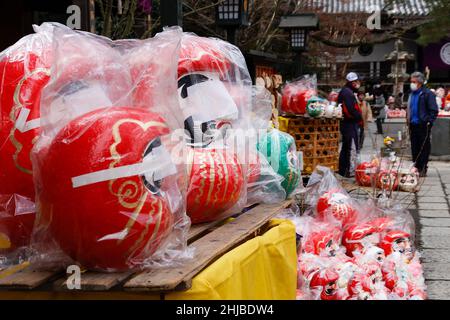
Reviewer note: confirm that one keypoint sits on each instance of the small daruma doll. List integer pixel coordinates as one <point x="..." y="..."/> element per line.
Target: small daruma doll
<point x="408" y="180"/>
<point x="366" y="173"/>
<point x="316" y="107"/>
<point x="388" y="180"/>
<point x="337" y="205"/>
<point x="24" y="71"/>
<point x="103" y="187"/>
<point x="280" y="151"/>
<point x="359" y="238"/>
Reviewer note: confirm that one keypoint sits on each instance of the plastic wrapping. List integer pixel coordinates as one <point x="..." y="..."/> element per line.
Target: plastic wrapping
<point x="109" y="192"/>
<point x="24" y="71"/>
<point x="263" y="183"/>
<point x="366" y="171"/>
<point x="329" y="199"/>
<point x="214" y="91"/>
<point x="280" y="151"/>
<point x="295" y="95"/>
<point x="371" y="258"/>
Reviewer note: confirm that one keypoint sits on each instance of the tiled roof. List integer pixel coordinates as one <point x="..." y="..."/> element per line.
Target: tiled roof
<point x="396" y="7"/>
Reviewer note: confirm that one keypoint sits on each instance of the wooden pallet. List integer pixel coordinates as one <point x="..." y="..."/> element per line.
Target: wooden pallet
<point x="210" y="240"/>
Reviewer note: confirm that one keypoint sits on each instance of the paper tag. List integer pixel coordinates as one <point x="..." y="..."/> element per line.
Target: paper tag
<point x="209" y="100"/>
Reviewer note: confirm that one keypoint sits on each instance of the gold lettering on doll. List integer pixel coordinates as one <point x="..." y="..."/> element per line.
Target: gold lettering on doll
<point x="138" y="191"/>
<point x="202" y="173"/>
<point x="12" y="116"/>
<point x="147" y="225"/>
<point x="212" y="178"/>
<point x="227" y="178"/>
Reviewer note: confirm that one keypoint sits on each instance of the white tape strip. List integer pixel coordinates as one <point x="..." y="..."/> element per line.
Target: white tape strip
<point x="23" y="125"/>
<point x="157" y="165"/>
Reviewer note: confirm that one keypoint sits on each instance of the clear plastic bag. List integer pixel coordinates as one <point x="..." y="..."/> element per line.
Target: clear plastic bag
<point x="214" y="92"/>
<point x="24" y="71"/>
<point x="366" y="170"/>
<point x="329" y="200"/>
<point x="263" y="183"/>
<point x="110" y="193"/>
<point x="371" y="257"/>
<point x="281" y="152"/>
<point x="295" y="95"/>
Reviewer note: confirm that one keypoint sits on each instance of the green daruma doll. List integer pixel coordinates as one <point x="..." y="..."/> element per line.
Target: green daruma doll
<point x="280" y="151"/>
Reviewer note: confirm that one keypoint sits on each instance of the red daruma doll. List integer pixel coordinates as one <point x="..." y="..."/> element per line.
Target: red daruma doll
<point x="105" y="208"/>
<point x="207" y="68"/>
<point x="24" y="71"/>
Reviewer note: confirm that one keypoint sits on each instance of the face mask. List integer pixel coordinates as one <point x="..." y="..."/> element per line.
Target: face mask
<point x="413" y="86"/>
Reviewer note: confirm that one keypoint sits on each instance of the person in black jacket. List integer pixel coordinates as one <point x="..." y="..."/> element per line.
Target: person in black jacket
<point x="422" y="112"/>
<point x="351" y="123"/>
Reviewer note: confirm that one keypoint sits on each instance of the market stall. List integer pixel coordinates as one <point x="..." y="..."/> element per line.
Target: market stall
<point x="115" y="163"/>
<point x="313" y="122"/>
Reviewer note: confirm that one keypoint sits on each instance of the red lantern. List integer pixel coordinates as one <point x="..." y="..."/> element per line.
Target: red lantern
<point x="388" y="180"/>
<point x="365" y="173"/>
<point x="109" y="222"/>
<point x="216" y="183"/>
<point x="338" y="205"/>
<point x="23" y="74"/>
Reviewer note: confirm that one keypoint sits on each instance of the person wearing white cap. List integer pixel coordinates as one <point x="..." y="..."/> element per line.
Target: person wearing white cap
<point x="351" y="123"/>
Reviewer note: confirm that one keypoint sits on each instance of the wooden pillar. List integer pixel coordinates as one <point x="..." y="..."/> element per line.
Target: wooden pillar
<point x="171" y="12"/>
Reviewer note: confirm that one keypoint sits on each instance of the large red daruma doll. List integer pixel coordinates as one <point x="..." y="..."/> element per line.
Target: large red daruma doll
<point x="205" y="74"/>
<point x="24" y="71"/>
<point x="108" y="223"/>
<point x="216" y="183"/>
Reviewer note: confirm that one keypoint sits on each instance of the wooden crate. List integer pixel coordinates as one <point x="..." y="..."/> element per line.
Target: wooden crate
<point x="318" y="139"/>
<point x="210" y="240"/>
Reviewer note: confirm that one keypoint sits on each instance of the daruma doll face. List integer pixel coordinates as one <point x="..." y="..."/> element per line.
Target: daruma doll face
<point x="100" y="216"/>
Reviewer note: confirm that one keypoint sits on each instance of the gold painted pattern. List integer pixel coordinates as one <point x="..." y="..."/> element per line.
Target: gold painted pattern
<point x="202" y="173"/>
<point x="212" y="180"/>
<point x="124" y="193"/>
<point x="12" y="116"/>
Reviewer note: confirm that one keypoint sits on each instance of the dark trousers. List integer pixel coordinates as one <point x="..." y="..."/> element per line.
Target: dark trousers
<point x="380" y="125"/>
<point x="361" y="138"/>
<point x="349" y="132"/>
<point x="420" y="145"/>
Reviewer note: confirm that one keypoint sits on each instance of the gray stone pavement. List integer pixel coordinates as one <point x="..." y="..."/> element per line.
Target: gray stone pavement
<point x="430" y="209"/>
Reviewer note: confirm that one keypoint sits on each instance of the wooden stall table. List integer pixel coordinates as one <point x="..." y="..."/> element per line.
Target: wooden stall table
<point x="251" y="256"/>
